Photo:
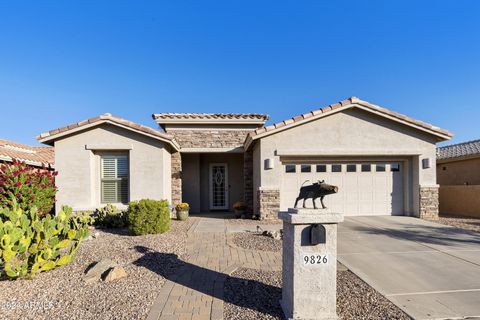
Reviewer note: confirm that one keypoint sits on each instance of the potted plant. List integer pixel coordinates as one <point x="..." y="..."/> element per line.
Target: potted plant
<point x="182" y="211"/>
<point x="239" y="208"/>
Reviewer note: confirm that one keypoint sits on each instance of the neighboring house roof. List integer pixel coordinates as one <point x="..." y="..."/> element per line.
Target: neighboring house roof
<point x="179" y="118"/>
<point x="340" y="106"/>
<point x="50" y="136"/>
<point x="32" y="155"/>
<point x="460" y="150"/>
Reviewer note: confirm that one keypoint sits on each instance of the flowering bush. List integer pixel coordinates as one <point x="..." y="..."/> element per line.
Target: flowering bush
<point x="27" y="186"/>
<point x="182" y="206"/>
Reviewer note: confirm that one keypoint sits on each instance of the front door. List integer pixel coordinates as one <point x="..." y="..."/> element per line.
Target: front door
<point x="218" y="186"/>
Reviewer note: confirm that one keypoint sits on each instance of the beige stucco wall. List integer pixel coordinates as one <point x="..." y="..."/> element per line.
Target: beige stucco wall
<point x="78" y="179"/>
<point x="355" y="134"/>
<point x="191" y="180"/>
<point x="459" y="172"/>
<point x="460" y="200"/>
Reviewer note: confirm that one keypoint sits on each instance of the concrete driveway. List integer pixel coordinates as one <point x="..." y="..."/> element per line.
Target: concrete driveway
<point x="431" y="271"/>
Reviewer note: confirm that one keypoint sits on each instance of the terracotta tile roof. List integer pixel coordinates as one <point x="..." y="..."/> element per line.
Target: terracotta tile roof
<point x="464" y="149"/>
<point x="107" y="117"/>
<point x="32" y="155"/>
<point x="344" y="105"/>
<point x="211" y="116"/>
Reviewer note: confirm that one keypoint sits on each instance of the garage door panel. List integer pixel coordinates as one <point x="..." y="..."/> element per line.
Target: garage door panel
<point x="361" y="192"/>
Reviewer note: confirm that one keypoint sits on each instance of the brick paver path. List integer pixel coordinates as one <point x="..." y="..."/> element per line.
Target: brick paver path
<point x="196" y="290"/>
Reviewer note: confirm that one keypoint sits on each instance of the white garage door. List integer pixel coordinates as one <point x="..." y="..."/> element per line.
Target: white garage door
<point x="365" y="188"/>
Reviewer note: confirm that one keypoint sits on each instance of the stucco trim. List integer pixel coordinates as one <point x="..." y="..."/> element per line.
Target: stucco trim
<point x="340" y="107"/>
<point x="108" y="147"/>
<point x="50" y="137"/>
<point x="340" y="153"/>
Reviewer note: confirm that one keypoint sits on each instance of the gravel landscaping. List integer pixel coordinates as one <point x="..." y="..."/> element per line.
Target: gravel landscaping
<point x="254" y="294"/>
<point x="256" y="241"/>
<point x="62" y="293"/>
<point x="466" y="223"/>
<point x="253" y="222"/>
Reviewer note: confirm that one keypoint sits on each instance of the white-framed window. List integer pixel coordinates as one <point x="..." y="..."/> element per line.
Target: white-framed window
<point x="114" y="178"/>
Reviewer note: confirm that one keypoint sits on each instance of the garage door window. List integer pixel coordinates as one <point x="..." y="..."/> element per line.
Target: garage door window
<point x="351" y="168"/>
<point x="336" y="168"/>
<point x="290" y="168"/>
<point x="380" y="167"/>
<point x="306" y="168"/>
<point x="366" y="168"/>
<point x="321" y="168"/>
<point x="395" y="167"/>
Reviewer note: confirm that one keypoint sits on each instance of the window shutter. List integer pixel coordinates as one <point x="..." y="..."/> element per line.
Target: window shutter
<point x="114" y="178"/>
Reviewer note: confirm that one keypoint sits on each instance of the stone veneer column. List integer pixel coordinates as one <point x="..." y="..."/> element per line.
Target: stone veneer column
<point x="268" y="203"/>
<point x="248" y="180"/>
<point x="176" y="178"/>
<point x="429" y="202"/>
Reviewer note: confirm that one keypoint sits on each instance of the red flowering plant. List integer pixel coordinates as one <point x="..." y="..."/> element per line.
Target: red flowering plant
<point x="28" y="186"/>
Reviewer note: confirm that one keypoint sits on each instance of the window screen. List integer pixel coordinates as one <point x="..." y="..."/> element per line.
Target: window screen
<point x="114" y="177"/>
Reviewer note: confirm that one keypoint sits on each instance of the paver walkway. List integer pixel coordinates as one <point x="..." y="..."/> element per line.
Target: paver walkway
<point x="196" y="290"/>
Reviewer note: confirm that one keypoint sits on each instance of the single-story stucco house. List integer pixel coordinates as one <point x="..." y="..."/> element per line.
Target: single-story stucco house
<point x="34" y="156"/>
<point x="383" y="162"/>
<point x="458" y="174"/>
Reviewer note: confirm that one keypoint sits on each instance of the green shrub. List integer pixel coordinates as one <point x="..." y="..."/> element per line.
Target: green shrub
<point x="30" y="244"/>
<point x="111" y="217"/>
<point x="28" y="187"/>
<point x="148" y="216"/>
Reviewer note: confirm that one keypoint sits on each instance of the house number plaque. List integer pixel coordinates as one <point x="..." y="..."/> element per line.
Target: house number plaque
<point x="315" y="259"/>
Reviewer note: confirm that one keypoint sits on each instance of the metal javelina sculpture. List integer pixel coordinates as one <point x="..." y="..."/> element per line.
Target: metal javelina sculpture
<point x="316" y="190"/>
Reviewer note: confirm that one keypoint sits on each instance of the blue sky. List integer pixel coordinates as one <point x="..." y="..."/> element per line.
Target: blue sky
<point x="65" y="61"/>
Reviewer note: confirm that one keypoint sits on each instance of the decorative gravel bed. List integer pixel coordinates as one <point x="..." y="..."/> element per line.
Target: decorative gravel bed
<point x="254" y="294"/>
<point x="62" y="293"/>
<point x="466" y="223"/>
<point x="253" y="222"/>
<point x="256" y="241"/>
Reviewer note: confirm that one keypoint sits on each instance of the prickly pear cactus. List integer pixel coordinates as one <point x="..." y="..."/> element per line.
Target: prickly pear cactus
<point x="30" y="244"/>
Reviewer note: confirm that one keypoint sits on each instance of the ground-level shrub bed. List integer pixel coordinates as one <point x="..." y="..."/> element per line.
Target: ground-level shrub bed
<point x="62" y="293"/>
<point x="467" y="223"/>
<point x="256" y="241"/>
<point x="255" y="294"/>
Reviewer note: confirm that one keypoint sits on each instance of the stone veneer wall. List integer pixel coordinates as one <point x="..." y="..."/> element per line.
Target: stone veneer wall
<point x="268" y="203"/>
<point x="248" y="180"/>
<point x="210" y="138"/>
<point x="429" y="202"/>
<point x="176" y="178"/>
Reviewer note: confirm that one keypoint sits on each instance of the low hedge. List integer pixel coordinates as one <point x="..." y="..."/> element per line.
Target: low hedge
<point x="148" y="216"/>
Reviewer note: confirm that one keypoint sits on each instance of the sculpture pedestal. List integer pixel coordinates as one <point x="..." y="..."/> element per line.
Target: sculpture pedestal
<point x="309" y="263"/>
